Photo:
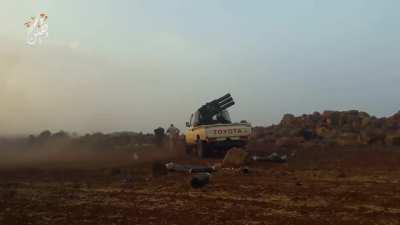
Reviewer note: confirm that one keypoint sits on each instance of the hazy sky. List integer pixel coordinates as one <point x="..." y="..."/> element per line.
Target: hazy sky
<point x="135" y="65"/>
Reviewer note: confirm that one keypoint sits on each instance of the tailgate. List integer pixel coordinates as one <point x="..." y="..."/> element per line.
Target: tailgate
<point x="233" y="131"/>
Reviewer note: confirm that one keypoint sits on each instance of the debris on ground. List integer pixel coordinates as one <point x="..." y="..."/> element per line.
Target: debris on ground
<point x="189" y="168"/>
<point x="55" y="193"/>
<point x="235" y="157"/>
<point x="200" y="180"/>
<point x="159" y="169"/>
<point x="245" y="170"/>
<point x="274" y="157"/>
<point x="234" y="170"/>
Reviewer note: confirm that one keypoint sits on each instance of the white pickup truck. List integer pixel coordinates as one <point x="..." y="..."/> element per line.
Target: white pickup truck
<point x="217" y="137"/>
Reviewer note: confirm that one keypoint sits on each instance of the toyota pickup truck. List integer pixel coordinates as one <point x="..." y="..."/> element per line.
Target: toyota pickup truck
<point x="210" y="129"/>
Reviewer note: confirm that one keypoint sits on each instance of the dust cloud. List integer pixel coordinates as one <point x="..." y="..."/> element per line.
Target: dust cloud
<point x="60" y="88"/>
<point x="62" y="149"/>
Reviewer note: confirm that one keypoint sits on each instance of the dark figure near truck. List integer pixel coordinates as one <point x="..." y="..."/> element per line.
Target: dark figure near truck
<point x="159" y="135"/>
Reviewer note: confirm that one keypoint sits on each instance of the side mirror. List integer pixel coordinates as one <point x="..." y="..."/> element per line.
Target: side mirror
<point x="187" y="124"/>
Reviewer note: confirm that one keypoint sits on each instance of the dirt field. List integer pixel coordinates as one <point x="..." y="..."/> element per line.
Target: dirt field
<point x="314" y="187"/>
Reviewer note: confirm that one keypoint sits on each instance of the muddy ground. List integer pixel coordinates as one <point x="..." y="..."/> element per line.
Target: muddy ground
<point x="321" y="186"/>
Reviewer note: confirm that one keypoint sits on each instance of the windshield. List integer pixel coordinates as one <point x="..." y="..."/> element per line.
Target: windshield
<point x="220" y="118"/>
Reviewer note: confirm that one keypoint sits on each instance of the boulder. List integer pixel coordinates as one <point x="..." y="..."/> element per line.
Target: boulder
<point x="288" y="120"/>
<point x="363" y="115"/>
<point x="308" y="134"/>
<point x="348" y="139"/>
<point x="365" y="122"/>
<point x="289" y="132"/>
<point x="396" y="116"/>
<point x="309" y="121"/>
<point x="289" y="142"/>
<point x="235" y="157"/>
<point x="345" y="128"/>
<point x="331" y="118"/>
<point x="324" y="132"/>
<point x="349" y="120"/>
<point x="372" y="136"/>
<point x="393" y="139"/>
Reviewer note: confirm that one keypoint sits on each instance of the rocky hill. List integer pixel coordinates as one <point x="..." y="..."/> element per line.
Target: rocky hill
<point x="336" y="128"/>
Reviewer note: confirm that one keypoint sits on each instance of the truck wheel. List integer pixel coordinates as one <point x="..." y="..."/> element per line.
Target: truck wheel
<point x="201" y="149"/>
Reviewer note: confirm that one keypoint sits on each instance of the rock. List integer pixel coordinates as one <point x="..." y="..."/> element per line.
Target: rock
<point x="372" y="136"/>
<point x="396" y="116"/>
<point x="274" y="157"/>
<point x="348" y="139"/>
<point x="365" y="122"/>
<point x="344" y="128"/>
<point x="289" y="132"/>
<point x="378" y="123"/>
<point x="288" y="120"/>
<point x="363" y="115"/>
<point x="200" y="180"/>
<point x="325" y="132"/>
<point x="308" y="134"/>
<point x="393" y="139"/>
<point x="352" y="112"/>
<point x="245" y="170"/>
<point x="235" y="157"/>
<point x="331" y="118"/>
<point x="289" y="142"/>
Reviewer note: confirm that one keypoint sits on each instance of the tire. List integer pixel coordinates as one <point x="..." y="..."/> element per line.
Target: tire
<point x="201" y="149"/>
